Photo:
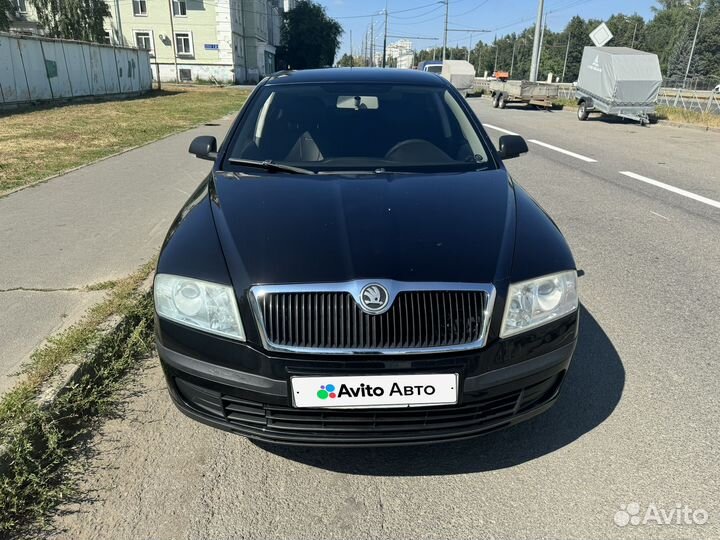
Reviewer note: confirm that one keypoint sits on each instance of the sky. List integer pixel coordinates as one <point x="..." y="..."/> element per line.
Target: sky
<point x="425" y="18"/>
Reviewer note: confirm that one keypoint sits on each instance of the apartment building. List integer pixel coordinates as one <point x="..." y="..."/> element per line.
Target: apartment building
<point x="228" y="41"/>
<point x="23" y="19"/>
<point x="207" y="40"/>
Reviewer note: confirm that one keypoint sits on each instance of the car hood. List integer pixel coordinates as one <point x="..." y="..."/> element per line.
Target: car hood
<point x="450" y="227"/>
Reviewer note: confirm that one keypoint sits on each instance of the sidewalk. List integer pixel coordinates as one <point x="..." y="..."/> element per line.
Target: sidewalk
<point x="91" y="225"/>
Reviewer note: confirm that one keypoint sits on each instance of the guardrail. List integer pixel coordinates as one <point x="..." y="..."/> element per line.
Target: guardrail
<point x="702" y="101"/>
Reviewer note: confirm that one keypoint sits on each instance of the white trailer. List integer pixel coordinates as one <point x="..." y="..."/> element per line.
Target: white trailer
<point x="618" y="81"/>
<point x="460" y="73"/>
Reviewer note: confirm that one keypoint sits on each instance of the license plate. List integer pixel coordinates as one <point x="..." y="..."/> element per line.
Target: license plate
<point x="370" y="391"/>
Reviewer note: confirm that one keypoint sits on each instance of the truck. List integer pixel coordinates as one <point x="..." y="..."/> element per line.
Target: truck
<point x="539" y="94"/>
<point x="460" y="73"/>
<point x="618" y="81"/>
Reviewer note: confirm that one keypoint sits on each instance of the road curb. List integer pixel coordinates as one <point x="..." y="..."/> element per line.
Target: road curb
<point x="68" y="375"/>
<point x="668" y="123"/>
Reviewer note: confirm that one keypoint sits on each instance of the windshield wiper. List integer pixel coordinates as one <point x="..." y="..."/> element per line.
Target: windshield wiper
<point x="269" y="165"/>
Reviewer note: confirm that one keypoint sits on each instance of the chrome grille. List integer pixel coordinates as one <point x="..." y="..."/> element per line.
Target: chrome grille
<point x="332" y="321"/>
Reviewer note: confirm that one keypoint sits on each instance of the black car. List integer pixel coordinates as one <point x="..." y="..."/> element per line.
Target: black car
<point x="352" y="272"/>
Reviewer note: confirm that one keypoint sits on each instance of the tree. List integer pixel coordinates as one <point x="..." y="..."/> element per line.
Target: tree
<point x="73" y="19"/>
<point x="5" y="7"/>
<point x="347" y="60"/>
<point x="309" y="37"/>
<point x="706" y="61"/>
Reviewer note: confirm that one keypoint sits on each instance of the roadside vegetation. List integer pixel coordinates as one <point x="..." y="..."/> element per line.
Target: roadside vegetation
<point x="40" y="438"/>
<point x="565" y="103"/>
<point x="41" y="142"/>
<point x="672" y="114"/>
<point x="681" y="116"/>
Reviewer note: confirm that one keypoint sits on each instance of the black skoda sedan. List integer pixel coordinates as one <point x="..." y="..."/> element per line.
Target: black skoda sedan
<point x="360" y="269"/>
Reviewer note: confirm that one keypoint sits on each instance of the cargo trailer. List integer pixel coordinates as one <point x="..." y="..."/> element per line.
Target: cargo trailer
<point x="618" y="81"/>
<point x="527" y="92"/>
<point x="460" y="73"/>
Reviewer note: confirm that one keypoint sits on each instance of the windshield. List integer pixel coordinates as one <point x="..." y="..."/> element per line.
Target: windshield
<point x="435" y="68"/>
<point x="359" y="127"/>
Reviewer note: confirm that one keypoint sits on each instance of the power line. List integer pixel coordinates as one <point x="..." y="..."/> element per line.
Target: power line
<point x="433" y="10"/>
<point x="374" y="14"/>
<point x="481" y="4"/>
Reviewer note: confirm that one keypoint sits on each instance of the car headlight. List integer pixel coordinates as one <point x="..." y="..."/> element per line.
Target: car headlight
<point x="538" y="301"/>
<point x="200" y="304"/>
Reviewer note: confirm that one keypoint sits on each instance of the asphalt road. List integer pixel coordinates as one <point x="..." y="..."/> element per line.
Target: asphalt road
<point x="88" y="226"/>
<point x="636" y="424"/>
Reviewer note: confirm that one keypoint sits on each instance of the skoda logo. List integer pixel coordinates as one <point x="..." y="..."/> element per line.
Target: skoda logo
<point x="374" y="298"/>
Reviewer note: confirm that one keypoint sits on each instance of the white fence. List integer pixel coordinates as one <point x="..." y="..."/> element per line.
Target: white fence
<point x="42" y="69"/>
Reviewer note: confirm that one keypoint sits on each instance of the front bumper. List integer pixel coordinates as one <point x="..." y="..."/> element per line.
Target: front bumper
<point x="259" y="406"/>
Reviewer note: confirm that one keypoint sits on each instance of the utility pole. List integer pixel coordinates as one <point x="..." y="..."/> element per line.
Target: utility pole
<point x="692" y="50"/>
<point x="567" y="50"/>
<point x="469" y="46"/>
<point x="542" y="40"/>
<point x="364" y="48"/>
<point x="447" y="9"/>
<point x="174" y="43"/>
<point x="634" y="32"/>
<point x="536" y="41"/>
<point x="497" y="50"/>
<point x="385" y="36"/>
<point x="372" y="41"/>
<point x="351" y="51"/>
<point x="512" y="62"/>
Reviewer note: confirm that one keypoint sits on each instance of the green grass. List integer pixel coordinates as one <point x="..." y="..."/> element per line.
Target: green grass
<point x="38" y="443"/>
<point x="696" y="118"/>
<point x="42" y="142"/>
<point x="561" y="103"/>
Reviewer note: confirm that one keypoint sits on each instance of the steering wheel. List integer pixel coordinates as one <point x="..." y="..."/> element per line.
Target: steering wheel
<point x="416" y="150"/>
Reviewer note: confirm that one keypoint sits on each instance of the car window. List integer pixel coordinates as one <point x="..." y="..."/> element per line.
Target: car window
<point x="434" y="69"/>
<point x="359" y="127"/>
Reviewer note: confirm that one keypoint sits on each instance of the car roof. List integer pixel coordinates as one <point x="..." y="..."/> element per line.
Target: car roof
<point x="355" y="75"/>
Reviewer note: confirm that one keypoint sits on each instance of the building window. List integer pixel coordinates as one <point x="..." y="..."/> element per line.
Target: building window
<point x="144" y="40"/>
<point x="179" y="8"/>
<point x="108" y="39"/>
<point x="183" y="44"/>
<point x="21" y="6"/>
<point x="139" y="7"/>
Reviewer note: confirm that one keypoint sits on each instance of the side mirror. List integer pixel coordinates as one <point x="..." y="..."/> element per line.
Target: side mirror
<point x="511" y="146"/>
<point x="204" y="147"/>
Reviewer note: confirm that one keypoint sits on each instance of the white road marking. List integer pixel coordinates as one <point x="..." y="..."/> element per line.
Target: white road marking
<point x="563" y="151"/>
<point x="668" y="187"/>
<point x="499" y="129"/>
<point x="659" y="215"/>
